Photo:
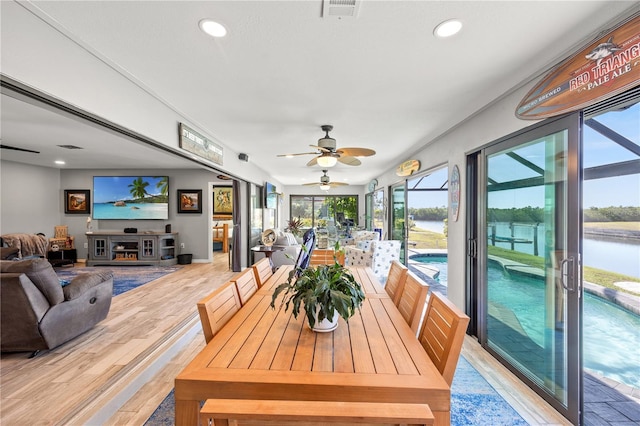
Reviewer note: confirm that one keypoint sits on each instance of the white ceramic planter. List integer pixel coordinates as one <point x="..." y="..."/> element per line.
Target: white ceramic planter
<point x="325" y="325"/>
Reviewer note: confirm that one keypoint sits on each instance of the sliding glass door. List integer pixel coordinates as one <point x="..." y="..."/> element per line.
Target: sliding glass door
<point x="530" y="259"/>
<point x="399" y="229"/>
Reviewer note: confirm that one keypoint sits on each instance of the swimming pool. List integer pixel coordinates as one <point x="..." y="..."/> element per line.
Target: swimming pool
<point x="611" y="334"/>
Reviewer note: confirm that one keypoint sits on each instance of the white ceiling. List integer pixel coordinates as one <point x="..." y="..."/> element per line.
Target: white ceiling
<point x="381" y="79"/>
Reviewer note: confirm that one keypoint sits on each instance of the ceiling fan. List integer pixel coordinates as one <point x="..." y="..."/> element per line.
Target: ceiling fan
<point x="325" y="183"/>
<point x="15" y="148"/>
<point x="328" y="155"/>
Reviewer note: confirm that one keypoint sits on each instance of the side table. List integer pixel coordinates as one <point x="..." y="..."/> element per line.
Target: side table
<point x="62" y="257"/>
<point x="268" y="251"/>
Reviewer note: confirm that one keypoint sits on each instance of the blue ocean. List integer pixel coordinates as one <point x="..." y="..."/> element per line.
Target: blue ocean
<point x="131" y="211"/>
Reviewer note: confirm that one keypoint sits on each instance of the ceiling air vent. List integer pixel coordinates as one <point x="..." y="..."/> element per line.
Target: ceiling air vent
<point x="70" y="147"/>
<point x="340" y="9"/>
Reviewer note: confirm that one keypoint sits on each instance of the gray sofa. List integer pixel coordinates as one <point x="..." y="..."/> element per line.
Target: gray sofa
<point x="38" y="313"/>
<point x="291" y="248"/>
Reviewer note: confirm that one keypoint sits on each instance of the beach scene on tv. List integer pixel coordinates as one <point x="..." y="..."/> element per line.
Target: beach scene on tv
<point x="130" y="197"/>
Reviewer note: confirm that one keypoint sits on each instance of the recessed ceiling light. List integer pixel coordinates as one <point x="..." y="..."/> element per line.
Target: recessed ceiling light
<point x="214" y="29"/>
<point x="447" y="28"/>
<point x="59" y="162"/>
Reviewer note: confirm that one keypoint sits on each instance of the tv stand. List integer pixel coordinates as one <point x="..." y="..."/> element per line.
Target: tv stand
<point x="119" y="248"/>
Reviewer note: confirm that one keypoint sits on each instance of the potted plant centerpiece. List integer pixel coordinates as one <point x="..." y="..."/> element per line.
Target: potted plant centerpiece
<point x="323" y="291"/>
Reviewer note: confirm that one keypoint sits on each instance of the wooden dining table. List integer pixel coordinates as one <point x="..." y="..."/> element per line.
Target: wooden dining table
<point x="266" y="353"/>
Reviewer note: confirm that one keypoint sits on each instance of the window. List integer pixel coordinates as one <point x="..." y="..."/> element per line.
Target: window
<point x="319" y="211"/>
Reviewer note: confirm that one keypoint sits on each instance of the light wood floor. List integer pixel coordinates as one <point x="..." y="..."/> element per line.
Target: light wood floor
<point x="122" y="369"/>
<point x="74" y="381"/>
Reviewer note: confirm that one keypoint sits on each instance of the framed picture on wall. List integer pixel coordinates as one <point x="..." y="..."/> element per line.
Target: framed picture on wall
<point x="189" y="201"/>
<point x="77" y="201"/>
<point x="222" y="202"/>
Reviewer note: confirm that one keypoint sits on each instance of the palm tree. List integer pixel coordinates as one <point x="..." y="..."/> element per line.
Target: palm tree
<point x="138" y="188"/>
<point x="163" y="185"/>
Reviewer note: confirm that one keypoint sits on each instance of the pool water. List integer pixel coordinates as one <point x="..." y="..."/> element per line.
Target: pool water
<point x="611" y="334"/>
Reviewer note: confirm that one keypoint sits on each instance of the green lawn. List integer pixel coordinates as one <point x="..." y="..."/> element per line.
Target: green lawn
<point x="592" y="275"/>
<point x="426" y="239"/>
<point x="627" y="226"/>
<point x="422" y="238"/>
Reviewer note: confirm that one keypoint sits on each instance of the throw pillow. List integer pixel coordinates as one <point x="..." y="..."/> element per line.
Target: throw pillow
<point x="291" y="239"/>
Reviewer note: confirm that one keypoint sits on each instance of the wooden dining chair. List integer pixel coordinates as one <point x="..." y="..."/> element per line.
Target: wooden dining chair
<point x="217" y="308"/>
<point x="412" y="300"/>
<point x="322" y="257"/>
<point x="442" y="334"/>
<point x="246" y="284"/>
<point x="395" y="281"/>
<point x="262" y="270"/>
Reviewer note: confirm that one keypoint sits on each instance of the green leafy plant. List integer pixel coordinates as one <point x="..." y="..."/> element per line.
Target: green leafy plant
<point x="327" y="288"/>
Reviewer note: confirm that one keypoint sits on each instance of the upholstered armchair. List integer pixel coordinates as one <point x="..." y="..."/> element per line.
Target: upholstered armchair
<point x="384" y="252"/>
<point x="359" y="236"/>
<point x="38" y="313"/>
<point x="376" y="254"/>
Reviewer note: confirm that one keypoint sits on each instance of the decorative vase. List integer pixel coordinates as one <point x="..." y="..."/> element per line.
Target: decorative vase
<point x="325" y="325"/>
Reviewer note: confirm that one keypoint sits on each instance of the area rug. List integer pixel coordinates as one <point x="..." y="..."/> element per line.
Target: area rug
<point x="473" y="402"/>
<point x="125" y="278"/>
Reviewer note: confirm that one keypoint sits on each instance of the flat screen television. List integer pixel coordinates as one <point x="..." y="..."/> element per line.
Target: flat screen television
<point x="130" y="197"/>
<point x="270" y="196"/>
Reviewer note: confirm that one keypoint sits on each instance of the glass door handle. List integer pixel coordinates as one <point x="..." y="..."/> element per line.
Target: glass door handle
<point x="567" y="274"/>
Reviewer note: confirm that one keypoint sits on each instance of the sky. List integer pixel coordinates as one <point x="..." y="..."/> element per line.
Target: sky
<point x="597" y="150"/>
<point x="113" y="188"/>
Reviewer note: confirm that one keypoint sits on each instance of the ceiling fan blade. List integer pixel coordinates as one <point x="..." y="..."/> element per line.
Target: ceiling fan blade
<point x="331" y="184"/>
<point x="313" y="162"/>
<point x="295" y="155"/>
<point x="320" y="148"/>
<point x="349" y="161"/>
<point x="15" y="148"/>
<point x="356" y="152"/>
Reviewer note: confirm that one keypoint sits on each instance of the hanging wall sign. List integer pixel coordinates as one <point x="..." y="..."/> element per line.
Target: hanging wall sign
<point x="408" y="168"/>
<point x="195" y="143"/>
<point x="454" y="193"/>
<point x="607" y="67"/>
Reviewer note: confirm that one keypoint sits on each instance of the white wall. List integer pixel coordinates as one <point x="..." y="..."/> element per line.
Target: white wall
<point x="193" y="229"/>
<point x="31" y="199"/>
<point x="47" y="60"/>
<point x="494" y="122"/>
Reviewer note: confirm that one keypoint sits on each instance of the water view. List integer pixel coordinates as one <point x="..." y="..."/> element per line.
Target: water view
<point x="611" y="335"/>
<point x="132" y="211"/>
<point x="615" y="255"/>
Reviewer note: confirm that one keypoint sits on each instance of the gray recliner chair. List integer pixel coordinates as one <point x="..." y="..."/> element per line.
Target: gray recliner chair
<point x="38" y="313"/>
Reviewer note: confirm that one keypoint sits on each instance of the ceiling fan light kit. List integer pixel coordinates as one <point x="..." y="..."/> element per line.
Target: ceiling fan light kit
<point x="326" y="161"/>
<point x="327" y="154"/>
<point x="325" y="183"/>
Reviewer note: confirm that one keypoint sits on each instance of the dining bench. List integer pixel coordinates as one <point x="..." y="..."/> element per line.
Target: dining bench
<point x="222" y="411"/>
